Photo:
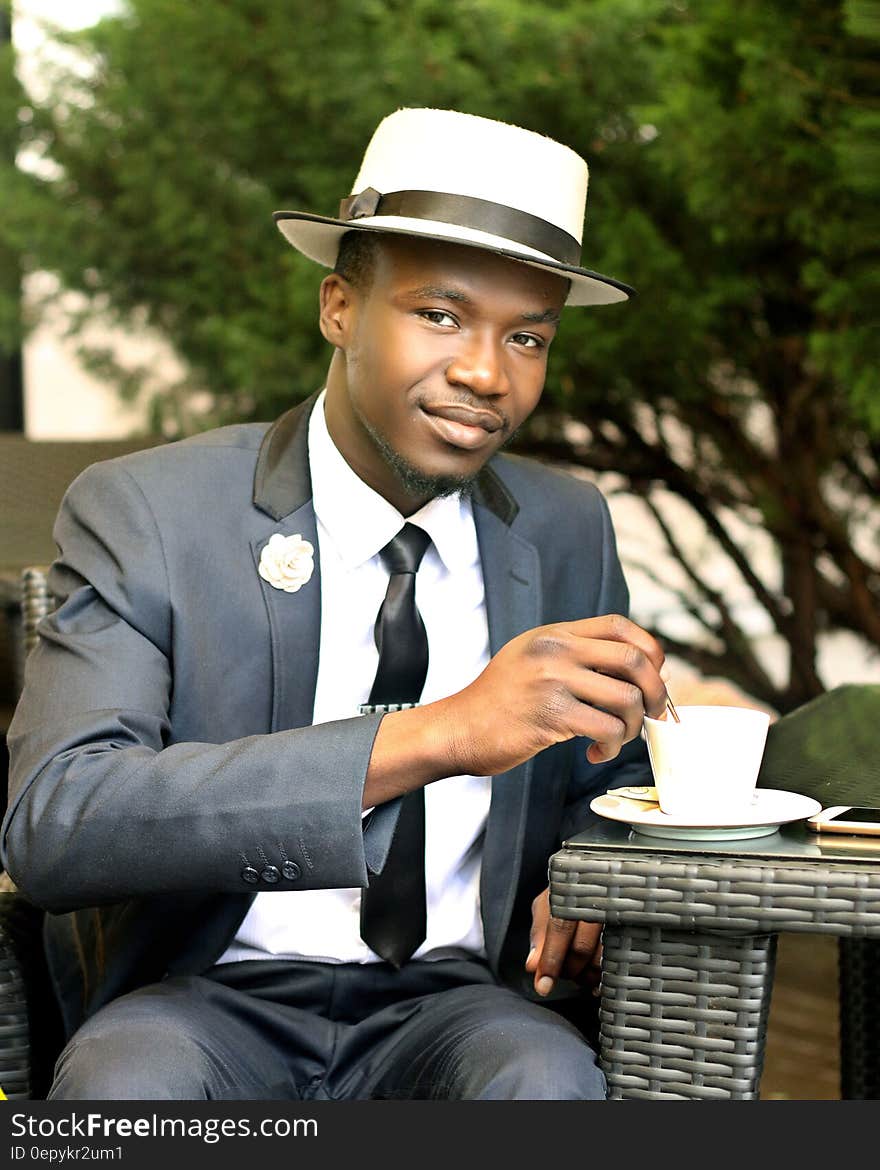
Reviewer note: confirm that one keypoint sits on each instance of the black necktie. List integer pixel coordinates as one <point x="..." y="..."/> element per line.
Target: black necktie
<point x="393" y="909"/>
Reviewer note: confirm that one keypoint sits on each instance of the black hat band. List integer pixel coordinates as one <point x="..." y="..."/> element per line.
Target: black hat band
<point x="464" y="211"/>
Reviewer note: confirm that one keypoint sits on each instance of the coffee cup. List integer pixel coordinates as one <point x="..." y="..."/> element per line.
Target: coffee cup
<point x="706" y="766"/>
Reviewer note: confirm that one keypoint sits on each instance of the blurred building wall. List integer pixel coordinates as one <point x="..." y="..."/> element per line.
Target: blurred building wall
<point x="62" y="399"/>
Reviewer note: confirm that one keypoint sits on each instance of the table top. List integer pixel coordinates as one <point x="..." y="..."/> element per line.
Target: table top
<point x="792" y="843"/>
<point x="793" y="880"/>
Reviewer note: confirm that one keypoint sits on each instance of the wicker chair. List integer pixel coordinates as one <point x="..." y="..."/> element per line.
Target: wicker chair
<point x="30" y="1025"/>
<point x="36" y="603"/>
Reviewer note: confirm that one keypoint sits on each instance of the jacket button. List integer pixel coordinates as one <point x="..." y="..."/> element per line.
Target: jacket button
<point x="290" y="870"/>
<point x="250" y="874"/>
<point x="270" y="874"/>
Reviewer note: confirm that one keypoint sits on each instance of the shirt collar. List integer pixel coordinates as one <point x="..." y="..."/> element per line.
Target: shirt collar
<point x="360" y="522"/>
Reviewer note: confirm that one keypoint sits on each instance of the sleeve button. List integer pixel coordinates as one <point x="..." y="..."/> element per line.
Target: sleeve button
<point x="250" y="875"/>
<point x="270" y="874"/>
<point x="290" y="870"/>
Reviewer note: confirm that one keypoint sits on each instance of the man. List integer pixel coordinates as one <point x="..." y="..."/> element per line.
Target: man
<point x="351" y="650"/>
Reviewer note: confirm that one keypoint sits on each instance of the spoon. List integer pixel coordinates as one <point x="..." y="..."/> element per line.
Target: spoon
<point x="670" y="706"/>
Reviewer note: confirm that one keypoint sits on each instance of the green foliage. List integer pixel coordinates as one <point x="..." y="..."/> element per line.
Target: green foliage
<point x="184" y="134"/>
<point x="734" y="181"/>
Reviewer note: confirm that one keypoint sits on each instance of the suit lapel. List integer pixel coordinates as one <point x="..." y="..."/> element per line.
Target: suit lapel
<point x="283" y="491"/>
<point x="512" y="577"/>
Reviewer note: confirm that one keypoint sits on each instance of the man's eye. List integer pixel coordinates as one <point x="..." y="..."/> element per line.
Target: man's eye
<point x="529" y="340"/>
<point x="437" y="317"/>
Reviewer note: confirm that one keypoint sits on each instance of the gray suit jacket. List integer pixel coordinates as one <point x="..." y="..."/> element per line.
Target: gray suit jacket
<point x="162" y="749"/>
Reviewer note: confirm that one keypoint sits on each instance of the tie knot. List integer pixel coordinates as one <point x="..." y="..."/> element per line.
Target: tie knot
<point x="404" y="552"/>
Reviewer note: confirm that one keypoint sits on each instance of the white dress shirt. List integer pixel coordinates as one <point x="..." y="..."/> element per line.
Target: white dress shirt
<point x="354" y="523"/>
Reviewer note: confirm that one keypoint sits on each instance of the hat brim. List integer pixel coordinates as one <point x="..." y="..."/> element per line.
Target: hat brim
<point x="317" y="237"/>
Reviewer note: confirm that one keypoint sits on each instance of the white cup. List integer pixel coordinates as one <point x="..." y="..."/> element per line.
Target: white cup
<point x="706" y="766"/>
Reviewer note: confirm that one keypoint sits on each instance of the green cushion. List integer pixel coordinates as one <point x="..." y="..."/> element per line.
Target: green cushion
<point x="828" y="748"/>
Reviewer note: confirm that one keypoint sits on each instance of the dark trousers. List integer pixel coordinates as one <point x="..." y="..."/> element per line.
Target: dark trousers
<point x="273" y="1030"/>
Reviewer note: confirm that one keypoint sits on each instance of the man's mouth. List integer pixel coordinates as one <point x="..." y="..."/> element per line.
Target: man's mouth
<point x="468" y="415"/>
<point x="462" y="426"/>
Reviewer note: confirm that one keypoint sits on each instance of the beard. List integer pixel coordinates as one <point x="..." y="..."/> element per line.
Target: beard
<point x="414" y="482"/>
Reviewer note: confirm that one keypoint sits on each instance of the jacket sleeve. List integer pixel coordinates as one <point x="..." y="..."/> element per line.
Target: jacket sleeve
<point x="103" y="804"/>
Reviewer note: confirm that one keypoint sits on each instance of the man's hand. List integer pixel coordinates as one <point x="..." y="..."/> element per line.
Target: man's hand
<point x="597" y="678"/>
<point x="562" y="948"/>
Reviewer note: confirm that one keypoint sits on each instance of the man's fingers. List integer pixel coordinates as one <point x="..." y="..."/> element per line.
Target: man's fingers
<point x="631" y="678"/>
<point x="540" y="918"/>
<point x="615" y="702"/>
<point x="571" y="950"/>
<point x="611" y="677"/>
<point x="614" y="627"/>
<point x="609" y="710"/>
<point x="584" y="960"/>
<point x="557" y="939"/>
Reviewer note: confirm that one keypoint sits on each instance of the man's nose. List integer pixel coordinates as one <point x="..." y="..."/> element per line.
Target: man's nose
<point x="479" y="364"/>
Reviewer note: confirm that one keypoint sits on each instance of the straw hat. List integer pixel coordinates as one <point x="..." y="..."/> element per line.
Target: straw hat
<point x="467" y="180"/>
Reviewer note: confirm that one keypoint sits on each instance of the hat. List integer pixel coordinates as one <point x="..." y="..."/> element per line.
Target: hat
<point x="467" y="180"/>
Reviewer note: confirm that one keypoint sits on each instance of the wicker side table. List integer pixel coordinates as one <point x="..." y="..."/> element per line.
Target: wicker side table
<point x="689" y="959"/>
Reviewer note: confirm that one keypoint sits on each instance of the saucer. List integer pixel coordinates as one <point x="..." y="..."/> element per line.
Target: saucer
<point x="769" y="809"/>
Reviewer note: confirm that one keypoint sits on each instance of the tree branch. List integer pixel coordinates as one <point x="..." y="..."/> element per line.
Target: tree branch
<point x="729" y="630"/>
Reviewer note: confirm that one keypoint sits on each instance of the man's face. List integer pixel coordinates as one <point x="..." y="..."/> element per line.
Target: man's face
<point x="439" y="361"/>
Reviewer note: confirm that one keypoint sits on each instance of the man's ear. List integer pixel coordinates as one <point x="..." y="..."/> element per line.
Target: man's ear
<point x="337" y="298"/>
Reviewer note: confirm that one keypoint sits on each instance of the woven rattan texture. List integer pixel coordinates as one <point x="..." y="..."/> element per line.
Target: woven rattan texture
<point x="36" y="603"/>
<point x="31" y="1032"/>
<point x="684" y="1017"/>
<point x="673" y="927"/>
<point x="15" y="1032"/>
<point x="743" y="897"/>
<point x="860" y="1018"/>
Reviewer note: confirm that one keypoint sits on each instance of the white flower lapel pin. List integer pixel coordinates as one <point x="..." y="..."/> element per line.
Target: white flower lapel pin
<point x="287" y="562"/>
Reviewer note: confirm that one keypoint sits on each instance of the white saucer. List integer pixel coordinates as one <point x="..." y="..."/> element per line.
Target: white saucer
<point x="770" y="809"/>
